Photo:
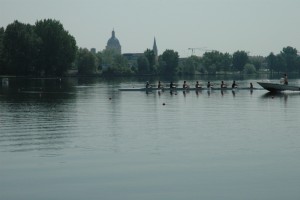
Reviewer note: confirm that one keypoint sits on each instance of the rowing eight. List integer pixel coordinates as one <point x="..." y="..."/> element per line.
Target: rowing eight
<point x="183" y="89"/>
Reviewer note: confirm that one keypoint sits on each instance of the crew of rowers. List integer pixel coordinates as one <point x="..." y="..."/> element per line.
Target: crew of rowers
<point x="197" y="85"/>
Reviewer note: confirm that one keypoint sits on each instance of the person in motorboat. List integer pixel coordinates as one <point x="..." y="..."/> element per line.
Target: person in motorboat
<point x="223" y="85"/>
<point x="185" y="85"/>
<point x="251" y="86"/>
<point x="234" y="85"/>
<point x="198" y="86"/>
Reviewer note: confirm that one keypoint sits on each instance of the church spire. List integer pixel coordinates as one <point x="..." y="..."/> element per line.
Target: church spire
<point x="155" y="49"/>
<point x="113" y="33"/>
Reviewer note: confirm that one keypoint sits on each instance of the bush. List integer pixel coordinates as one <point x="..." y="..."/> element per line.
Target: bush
<point x="249" y="69"/>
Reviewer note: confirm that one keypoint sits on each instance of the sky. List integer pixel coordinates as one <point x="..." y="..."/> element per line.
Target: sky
<point x="258" y="27"/>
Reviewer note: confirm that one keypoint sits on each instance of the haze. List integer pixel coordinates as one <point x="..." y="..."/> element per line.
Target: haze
<point x="256" y="26"/>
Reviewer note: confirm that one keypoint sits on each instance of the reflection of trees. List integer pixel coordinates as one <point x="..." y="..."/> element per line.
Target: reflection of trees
<point x="37" y="114"/>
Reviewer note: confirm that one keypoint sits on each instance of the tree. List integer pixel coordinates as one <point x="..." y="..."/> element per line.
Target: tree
<point x="168" y="62"/>
<point x="99" y="61"/>
<point x="190" y="65"/>
<point x="216" y="61"/>
<point x="249" y="69"/>
<point x="289" y="54"/>
<point x="257" y="61"/>
<point x="271" y="62"/>
<point x="226" y="62"/>
<point x="120" y="61"/>
<point x="143" y="65"/>
<point x="20" y="49"/>
<point x="114" y="64"/>
<point x="149" y="54"/>
<point x="57" y="49"/>
<point x="86" y="62"/>
<point x="107" y="58"/>
<point x="1" y="50"/>
<point x="239" y="59"/>
<point x="280" y="64"/>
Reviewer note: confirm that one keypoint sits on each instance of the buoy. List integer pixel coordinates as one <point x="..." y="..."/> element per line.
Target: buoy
<point x="109" y="98"/>
<point x="163" y="104"/>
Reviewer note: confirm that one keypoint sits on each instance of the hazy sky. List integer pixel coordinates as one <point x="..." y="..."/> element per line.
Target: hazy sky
<point x="257" y="26"/>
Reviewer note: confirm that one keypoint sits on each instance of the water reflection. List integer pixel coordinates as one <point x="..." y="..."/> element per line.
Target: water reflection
<point x="279" y="95"/>
<point x="36" y="114"/>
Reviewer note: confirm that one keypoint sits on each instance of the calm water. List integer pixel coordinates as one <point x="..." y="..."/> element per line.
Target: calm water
<point x="83" y="139"/>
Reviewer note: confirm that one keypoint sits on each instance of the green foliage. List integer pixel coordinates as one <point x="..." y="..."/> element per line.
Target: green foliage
<point x="287" y="61"/>
<point x="114" y="71"/>
<point x="1" y="50"/>
<point x="44" y="48"/>
<point x="168" y="62"/>
<point x="149" y="54"/>
<point x="271" y="62"/>
<point x="107" y="58"/>
<point x="20" y="49"/>
<point x="257" y="61"/>
<point x="239" y="59"/>
<point x="190" y="65"/>
<point x="212" y="69"/>
<point x="57" y="50"/>
<point x="143" y="65"/>
<point x="216" y="61"/>
<point x="114" y="64"/>
<point x="249" y="69"/>
<point x="98" y="61"/>
<point x="120" y="62"/>
<point x="86" y="62"/>
<point x="289" y="54"/>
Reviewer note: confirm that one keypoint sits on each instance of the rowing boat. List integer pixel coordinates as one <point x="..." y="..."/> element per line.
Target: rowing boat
<point x="182" y="89"/>
<point x="276" y="87"/>
<point x="139" y="89"/>
<point x="155" y="89"/>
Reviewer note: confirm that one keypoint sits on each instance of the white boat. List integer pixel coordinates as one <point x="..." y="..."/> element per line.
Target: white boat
<point x="276" y="87"/>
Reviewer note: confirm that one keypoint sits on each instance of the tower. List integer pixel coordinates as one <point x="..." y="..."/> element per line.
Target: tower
<point x="155" y="50"/>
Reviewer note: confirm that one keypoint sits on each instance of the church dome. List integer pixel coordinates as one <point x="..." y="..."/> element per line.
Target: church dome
<point x="113" y="43"/>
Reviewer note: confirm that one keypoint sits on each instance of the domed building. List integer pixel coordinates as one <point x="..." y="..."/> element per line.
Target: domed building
<point x="113" y="43"/>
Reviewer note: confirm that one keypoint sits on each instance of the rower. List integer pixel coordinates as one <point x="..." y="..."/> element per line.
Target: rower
<point x="234" y="85"/>
<point x="223" y="85"/>
<point x="198" y="86"/>
<point x="209" y="85"/>
<point x="185" y="85"/>
<point x="148" y="85"/>
<point x="172" y="85"/>
<point x="285" y="80"/>
<point x="159" y="85"/>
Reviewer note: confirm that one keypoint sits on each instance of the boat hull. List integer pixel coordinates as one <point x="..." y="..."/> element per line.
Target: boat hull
<point x="180" y="89"/>
<point x="275" y="87"/>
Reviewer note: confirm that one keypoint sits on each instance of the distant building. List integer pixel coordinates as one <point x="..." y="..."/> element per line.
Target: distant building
<point x="132" y="58"/>
<point x="113" y="44"/>
<point x="93" y="50"/>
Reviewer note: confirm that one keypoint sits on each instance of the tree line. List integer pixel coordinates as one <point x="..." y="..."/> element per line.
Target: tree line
<point x="47" y="49"/>
<point x="42" y="49"/>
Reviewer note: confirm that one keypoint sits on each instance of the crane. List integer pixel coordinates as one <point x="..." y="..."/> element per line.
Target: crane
<point x="199" y="49"/>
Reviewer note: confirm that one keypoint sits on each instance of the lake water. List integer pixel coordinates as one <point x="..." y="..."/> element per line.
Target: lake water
<point x="84" y="139"/>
